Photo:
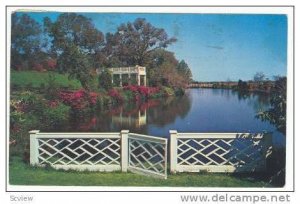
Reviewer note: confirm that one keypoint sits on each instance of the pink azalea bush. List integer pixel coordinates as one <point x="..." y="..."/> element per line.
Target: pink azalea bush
<point x="115" y="94"/>
<point x="53" y="103"/>
<point x="142" y="91"/>
<point x="51" y="64"/>
<point x="78" y="99"/>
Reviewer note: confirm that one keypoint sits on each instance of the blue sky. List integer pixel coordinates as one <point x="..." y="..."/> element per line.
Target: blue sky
<point x="217" y="47"/>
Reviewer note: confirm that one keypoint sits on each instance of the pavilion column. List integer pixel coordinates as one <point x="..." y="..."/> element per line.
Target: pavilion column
<point x="145" y="84"/>
<point x="138" y="79"/>
<point x="120" y="80"/>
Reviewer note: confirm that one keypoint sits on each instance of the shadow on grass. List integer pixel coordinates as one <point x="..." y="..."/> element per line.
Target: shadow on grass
<point x="21" y="173"/>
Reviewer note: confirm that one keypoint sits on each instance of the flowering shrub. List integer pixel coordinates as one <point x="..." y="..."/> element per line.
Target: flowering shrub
<point x="93" y="97"/>
<point x="51" y="64"/>
<point x="53" y="104"/>
<point x="16" y="113"/>
<point x="78" y="99"/>
<point x="114" y="93"/>
<point x="143" y="91"/>
<point x="132" y="88"/>
<point x="27" y="110"/>
<point x="38" y="67"/>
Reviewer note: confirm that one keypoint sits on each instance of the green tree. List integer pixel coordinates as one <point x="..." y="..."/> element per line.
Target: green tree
<point x="76" y="63"/>
<point x="259" y="77"/>
<point x="74" y="29"/>
<point x="76" y="41"/>
<point x="277" y="113"/>
<point x="162" y="68"/>
<point x="105" y="79"/>
<point x="242" y="85"/>
<point x="184" y="71"/>
<point x="133" y="43"/>
<point x="26" y="42"/>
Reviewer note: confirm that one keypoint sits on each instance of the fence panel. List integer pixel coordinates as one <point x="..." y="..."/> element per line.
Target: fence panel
<point x="147" y="155"/>
<point x="79" y="151"/>
<point x="219" y="152"/>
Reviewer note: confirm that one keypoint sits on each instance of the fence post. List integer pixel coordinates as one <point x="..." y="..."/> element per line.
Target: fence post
<point x="173" y="151"/>
<point x="124" y="150"/>
<point x="34" y="147"/>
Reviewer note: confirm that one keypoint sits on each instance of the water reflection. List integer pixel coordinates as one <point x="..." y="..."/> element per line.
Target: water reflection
<point x="134" y="119"/>
<point x="134" y="116"/>
<point x="199" y="110"/>
<point x="258" y="101"/>
<point x="169" y="110"/>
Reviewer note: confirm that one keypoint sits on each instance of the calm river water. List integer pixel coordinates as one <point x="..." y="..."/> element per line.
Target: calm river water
<point x="199" y="110"/>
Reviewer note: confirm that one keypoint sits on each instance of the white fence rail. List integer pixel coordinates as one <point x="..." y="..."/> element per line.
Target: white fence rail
<point x="218" y="152"/>
<point x="79" y="151"/>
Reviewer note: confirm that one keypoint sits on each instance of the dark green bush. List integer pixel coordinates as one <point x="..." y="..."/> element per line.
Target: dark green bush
<point x="167" y="91"/>
<point x="105" y="80"/>
<point x="179" y="91"/>
<point x="56" y="116"/>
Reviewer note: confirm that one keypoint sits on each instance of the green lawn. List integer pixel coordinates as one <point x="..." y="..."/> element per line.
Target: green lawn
<point x="23" y="174"/>
<point x="36" y="79"/>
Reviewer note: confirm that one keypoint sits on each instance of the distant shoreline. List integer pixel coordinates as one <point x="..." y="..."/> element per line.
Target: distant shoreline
<point x="251" y="86"/>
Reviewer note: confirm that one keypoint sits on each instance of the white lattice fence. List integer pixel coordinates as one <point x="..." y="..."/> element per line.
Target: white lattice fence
<point x="147" y="155"/>
<point x="79" y="151"/>
<point x="100" y="152"/>
<point x="219" y="152"/>
<point x="191" y="152"/>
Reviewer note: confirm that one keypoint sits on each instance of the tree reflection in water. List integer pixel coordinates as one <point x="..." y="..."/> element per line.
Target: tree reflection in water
<point x="169" y="110"/>
<point x="199" y="110"/>
<point x="256" y="100"/>
<point x="133" y="116"/>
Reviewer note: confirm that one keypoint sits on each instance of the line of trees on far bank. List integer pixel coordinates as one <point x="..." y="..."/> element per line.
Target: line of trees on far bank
<point x="259" y="83"/>
<point x="73" y="45"/>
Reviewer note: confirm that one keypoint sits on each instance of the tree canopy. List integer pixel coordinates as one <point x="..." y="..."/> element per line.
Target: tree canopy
<point x="75" y="40"/>
<point x="164" y="69"/>
<point x="277" y="112"/>
<point x="259" y="77"/>
<point x="73" y="29"/>
<point x="26" y="42"/>
<point x="184" y="70"/>
<point x="133" y="43"/>
<point x="75" y="46"/>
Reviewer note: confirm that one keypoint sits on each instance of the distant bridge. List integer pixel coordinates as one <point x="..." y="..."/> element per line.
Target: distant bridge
<point x="264" y="86"/>
<point x="212" y="84"/>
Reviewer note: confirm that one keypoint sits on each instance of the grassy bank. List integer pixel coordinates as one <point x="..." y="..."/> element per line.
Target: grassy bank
<point x="23" y="174"/>
<point x="37" y="79"/>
